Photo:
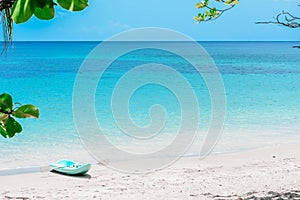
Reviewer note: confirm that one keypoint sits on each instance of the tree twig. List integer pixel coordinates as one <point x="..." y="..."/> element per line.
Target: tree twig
<point x="285" y="19"/>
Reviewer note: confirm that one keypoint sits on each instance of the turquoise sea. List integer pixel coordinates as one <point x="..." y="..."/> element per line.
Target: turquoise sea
<point x="261" y="79"/>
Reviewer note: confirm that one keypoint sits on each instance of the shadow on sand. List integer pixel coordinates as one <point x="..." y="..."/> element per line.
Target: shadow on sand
<point x="81" y="176"/>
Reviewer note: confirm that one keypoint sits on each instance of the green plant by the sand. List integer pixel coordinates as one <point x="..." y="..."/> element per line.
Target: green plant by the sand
<point x="9" y="127"/>
<point x="20" y="11"/>
<point x="23" y="10"/>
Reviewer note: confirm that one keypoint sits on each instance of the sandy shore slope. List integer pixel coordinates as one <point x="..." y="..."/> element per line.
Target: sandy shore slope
<point x="267" y="172"/>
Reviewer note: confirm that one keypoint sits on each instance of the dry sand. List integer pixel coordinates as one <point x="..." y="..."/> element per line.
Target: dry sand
<point x="269" y="172"/>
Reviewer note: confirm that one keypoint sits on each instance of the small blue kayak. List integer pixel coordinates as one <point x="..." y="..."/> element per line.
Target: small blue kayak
<point x="70" y="168"/>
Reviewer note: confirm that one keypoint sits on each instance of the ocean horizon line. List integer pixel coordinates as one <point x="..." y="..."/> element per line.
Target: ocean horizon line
<point x="225" y="41"/>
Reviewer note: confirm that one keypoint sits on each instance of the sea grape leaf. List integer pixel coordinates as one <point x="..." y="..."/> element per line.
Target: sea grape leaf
<point x="3" y="116"/>
<point x="8" y="125"/>
<point x="40" y="3"/>
<point x="22" y="11"/>
<point x="12" y="127"/>
<point x="6" y="102"/>
<point x="73" y="5"/>
<point x="27" y="111"/>
<point x="44" y="9"/>
<point x="3" y="131"/>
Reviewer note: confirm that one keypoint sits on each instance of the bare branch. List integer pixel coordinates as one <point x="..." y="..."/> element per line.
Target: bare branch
<point x="285" y="19"/>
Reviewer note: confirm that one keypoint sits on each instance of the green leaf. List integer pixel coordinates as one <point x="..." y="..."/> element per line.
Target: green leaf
<point x="27" y="111"/>
<point x="12" y="127"/>
<point x="3" y="116"/>
<point x="73" y="5"/>
<point x="200" y="5"/>
<point x="22" y="11"/>
<point x="228" y="2"/>
<point x="6" y="102"/>
<point x="40" y="3"/>
<point x="44" y="9"/>
<point x="3" y="131"/>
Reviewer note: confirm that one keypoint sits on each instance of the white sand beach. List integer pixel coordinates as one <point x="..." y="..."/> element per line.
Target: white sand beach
<point x="267" y="172"/>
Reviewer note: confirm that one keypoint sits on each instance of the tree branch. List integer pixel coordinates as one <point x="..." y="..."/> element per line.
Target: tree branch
<point x="210" y="13"/>
<point x="221" y="12"/>
<point x="285" y="19"/>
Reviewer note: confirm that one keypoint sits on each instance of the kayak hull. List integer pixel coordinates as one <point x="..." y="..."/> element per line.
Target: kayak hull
<point x="70" y="168"/>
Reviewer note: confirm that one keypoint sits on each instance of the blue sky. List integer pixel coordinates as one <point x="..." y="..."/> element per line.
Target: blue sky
<point x="103" y="19"/>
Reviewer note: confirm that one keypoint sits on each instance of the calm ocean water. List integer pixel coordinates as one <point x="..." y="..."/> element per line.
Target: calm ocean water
<point x="261" y="80"/>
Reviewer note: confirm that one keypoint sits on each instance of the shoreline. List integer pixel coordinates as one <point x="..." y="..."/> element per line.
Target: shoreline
<point x="261" y="172"/>
<point x="45" y="168"/>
